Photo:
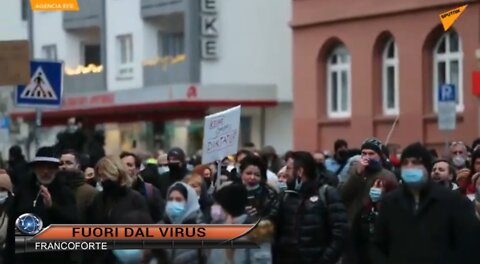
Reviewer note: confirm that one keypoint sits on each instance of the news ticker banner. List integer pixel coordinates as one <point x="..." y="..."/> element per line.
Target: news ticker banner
<point x="108" y="237"/>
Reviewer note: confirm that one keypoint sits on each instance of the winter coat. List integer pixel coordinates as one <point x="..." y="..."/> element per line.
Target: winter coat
<point x="108" y="208"/>
<point x="168" y="178"/>
<point x="363" y="229"/>
<point x="17" y="169"/>
<point x="63" y="211"/>
<point x="436" y="231"/>
<point x="84" y="192"/>
<point x="265" y="200"/>
<point x="310" y="230"/>
<point x="355" y="192"/>
<point x="155" y="201"/>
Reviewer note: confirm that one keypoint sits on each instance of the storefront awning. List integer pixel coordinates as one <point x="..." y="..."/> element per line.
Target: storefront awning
<point x="154" y="103"/>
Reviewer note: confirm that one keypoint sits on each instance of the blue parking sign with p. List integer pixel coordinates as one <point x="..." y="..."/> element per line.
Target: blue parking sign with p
<point x="447" y="93"/>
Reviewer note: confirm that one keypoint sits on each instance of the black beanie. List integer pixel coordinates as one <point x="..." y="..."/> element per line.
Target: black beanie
<point x="373" y="144"/>
<point x="419" y="152"/>
<point x="232" y="198"/>
<point x="180" y="188"/>
<point x="177" y="153"/>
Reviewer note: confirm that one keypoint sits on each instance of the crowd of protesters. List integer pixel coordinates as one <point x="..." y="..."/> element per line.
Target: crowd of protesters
<point x="362" y="205"/>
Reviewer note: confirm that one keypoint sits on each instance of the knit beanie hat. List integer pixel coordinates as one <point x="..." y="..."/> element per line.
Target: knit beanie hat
<point x="232" y="197"/>
<point x="373" y="144"/>
<point x="419" y="152"/>
<point x="5" y="182"/>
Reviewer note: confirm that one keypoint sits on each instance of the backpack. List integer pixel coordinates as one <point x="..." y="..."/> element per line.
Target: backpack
<point x="149" y="191"/>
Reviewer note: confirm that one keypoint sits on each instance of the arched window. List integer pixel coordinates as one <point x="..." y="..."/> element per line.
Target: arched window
<point x="390" y="94"/>
<point x="338" y="83"/>
<point x="448" y="66"/>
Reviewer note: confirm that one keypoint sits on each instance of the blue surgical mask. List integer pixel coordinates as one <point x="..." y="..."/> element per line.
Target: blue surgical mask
<point x="375" y="194"/>
<point x="252" y="188"/>
<point x="282" y="186"/>
<point x="175" y="210"/>
<point x="412" y="176"/>
<point x="128" y="256"/>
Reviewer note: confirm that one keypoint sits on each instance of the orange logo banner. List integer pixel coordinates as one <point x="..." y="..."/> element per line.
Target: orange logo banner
<point x="449" y="17"/>
<point x="54" y="5"/>
<point x="199" y="232"/>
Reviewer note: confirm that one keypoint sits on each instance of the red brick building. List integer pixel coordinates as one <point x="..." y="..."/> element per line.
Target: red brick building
<point x="359" y="64"/>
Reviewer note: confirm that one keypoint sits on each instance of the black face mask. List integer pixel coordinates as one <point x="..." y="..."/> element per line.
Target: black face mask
<point x="373" y="166"/>
<point x="321" y="166"/>
<point x="175" y="170"/>
<point x="342" y="154"/>
<point x="110" y="186"/>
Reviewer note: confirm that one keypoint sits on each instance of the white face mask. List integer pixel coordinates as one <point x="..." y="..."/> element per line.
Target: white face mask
<point x="3" y="197"/>
<point x="471" y="197"/>
<point x="458" y="161"/>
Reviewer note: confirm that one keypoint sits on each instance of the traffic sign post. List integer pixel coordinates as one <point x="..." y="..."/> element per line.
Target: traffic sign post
<point x="45" y="88"/>
<point x="447" y="110"/>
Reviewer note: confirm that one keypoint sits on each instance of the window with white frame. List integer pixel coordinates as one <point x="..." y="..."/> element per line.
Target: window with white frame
<point x="125" y="56"/>
<point x="49" y="52"/>
<point x="171" y="43"/>
<point x="448" y="66"/>
<point x="390" y="93"/>
<point x="338" y="83"/>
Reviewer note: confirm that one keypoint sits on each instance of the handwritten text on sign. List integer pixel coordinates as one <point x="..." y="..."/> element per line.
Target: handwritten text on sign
<point x="221" y="134"/>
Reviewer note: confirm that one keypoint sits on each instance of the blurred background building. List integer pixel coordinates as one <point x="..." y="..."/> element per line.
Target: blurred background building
<point x="147" y="71"/>
<point x="360" y="64"/>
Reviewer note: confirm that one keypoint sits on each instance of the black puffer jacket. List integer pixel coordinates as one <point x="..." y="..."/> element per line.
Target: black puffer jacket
<point x="310" y="231"/>
<point x="265" y="200"/>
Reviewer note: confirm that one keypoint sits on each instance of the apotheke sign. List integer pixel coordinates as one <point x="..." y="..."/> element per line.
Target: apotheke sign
<point x="209" y="29"/>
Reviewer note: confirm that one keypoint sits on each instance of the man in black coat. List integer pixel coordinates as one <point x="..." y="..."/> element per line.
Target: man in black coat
<point x="423" y="222"/>
<point x="156" y="203"/>
<point x="177" y="170"/>
<point x="47" y="196"/>
<point x="312" y="221"/>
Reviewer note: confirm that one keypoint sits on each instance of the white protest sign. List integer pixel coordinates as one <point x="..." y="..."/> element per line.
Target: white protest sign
<point x="221" y="134"/>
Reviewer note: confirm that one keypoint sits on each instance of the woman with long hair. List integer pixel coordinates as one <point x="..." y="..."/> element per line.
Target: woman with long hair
<point x="116" y="200"/>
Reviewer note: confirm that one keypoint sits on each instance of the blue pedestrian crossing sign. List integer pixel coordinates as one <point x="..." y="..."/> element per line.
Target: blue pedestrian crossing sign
<point x="45" y="89"/>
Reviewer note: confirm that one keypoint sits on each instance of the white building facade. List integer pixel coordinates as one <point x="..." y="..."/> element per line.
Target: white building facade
<point x="147" y="71"/>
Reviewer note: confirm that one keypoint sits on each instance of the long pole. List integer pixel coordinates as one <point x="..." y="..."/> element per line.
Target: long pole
<point x="387" y="140"/>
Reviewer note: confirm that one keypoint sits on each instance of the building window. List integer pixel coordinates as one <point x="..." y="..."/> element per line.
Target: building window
<point x="170" y="44"/>
<point x="338" y="83"/>
<point x="448" y="66"/>
<point x="125" y="56"/>
<point x="24" y="10"/>
<point x="49" y="52"/>
<point x="91" y="54"/>
<point x="390" y="94"/>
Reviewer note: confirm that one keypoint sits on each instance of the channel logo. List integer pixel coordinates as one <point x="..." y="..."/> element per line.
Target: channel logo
<point x="449" y="17"/>
<point x="29" y="224"/>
